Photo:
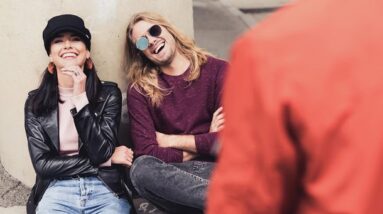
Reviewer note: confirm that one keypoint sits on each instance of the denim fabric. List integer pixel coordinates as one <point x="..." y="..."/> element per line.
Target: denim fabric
<point x="81" y="195"/>
<point x="174" y="187"/>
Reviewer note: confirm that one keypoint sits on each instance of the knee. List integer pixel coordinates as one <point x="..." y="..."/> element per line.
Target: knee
<point x="142" y="170"/>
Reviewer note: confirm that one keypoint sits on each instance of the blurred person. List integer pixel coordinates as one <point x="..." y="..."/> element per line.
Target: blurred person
<point x="71" y="122"/>
<point x="303" y="113"/>
<point x="175" y="114"/>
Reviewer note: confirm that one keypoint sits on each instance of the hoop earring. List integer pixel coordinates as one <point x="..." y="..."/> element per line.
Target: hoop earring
<point x="89" y="63"/>
<point x="51" y="67"/>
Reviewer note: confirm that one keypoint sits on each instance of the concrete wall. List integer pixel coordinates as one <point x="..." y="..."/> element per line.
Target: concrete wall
<point x="23" y="57"/>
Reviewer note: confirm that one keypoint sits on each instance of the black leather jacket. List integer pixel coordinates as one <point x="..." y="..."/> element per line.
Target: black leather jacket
<point x="97" y="126"/>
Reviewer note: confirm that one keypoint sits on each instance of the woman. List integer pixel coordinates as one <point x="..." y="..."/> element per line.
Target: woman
<point x="71" y="123"/>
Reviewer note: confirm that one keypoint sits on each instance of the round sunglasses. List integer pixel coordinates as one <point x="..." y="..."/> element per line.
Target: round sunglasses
<point x="143" y="42"/>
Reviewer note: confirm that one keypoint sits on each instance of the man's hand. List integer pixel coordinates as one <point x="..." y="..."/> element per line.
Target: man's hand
<point x="188" y="155"/>
<point x="217" y="123"/>
<point x="122" y="155"/>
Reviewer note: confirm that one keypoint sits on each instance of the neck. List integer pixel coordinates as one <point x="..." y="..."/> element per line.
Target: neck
<point x="177" y="67"/>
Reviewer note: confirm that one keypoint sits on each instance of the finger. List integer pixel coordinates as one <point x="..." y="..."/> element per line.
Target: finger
<point x="69" y="73"/>
<point x="218" y="111"/>
<point x="220" y="128"/>
<point x="72" y="73"/>
<point x="220" y="123"/>
<point x="220" y="117"/>
<point x="129" y="160"/>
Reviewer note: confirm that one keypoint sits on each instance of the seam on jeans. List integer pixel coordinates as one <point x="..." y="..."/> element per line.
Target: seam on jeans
<point x="195" y="176"/>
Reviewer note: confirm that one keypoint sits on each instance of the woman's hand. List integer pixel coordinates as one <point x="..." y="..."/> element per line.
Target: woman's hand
<point x="217" y="123"/>
<point x="122" y="155"/>
<point x="78" y="76"/>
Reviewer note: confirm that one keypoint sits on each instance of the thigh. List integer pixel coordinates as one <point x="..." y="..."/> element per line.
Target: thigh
<point x="202" y="169"/>
<point x="60" y="197"/>
<point x="103" y="200"/>
<point x="169" y="186"/>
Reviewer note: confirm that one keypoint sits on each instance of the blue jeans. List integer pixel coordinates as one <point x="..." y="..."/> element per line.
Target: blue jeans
<point x="81" y="195"/>
<point x="174" y="187"/>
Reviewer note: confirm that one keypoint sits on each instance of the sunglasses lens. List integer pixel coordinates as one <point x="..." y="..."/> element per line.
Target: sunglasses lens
<point x="142" y="43"/>
<point x="155" y="30"/>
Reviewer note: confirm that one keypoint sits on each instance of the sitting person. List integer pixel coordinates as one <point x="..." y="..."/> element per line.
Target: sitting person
<point x="175" y="114"/>
<point x="71" y="123"/>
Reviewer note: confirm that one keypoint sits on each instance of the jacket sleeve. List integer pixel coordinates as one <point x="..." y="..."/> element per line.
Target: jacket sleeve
<point x="98" y="131"/>
<point x="143" y="131"/>
<point x="46" y="162"/>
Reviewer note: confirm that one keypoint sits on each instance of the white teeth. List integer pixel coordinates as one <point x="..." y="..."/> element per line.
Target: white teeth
<point x="68" y="55"/>
<point x="158" y="48"/>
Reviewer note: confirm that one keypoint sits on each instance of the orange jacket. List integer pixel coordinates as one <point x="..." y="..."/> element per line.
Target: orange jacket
<point x="303" y="104"/>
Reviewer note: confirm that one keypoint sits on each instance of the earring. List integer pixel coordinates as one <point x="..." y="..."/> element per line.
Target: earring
<point x="51" y="67"/>
<point x="89" y="63"/>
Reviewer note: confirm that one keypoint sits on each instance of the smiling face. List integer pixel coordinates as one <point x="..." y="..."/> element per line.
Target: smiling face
<point x="67" y="49"/>
<point x="161" y="49"/>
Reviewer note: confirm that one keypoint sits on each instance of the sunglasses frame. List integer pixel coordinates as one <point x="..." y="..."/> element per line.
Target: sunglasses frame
<point x="143" y="42"/>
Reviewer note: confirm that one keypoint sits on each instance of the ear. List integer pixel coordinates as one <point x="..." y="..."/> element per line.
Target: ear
<point x="87" y="54"/>
<point x="50" y="58"/>
<point x="51" y="67"/>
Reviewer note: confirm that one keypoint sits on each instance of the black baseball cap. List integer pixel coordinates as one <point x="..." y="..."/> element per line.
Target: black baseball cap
<point x="65" y="23"/>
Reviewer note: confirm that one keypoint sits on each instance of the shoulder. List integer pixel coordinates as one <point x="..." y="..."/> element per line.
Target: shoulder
<point x="31" y="93"/>
<point x="108" y="87"/>
<point x="29" y="102"/>
<point x="215" y="64"/>
<point x="135" y="90"/>
<point x="216" y="61"/>
<point x="214" y="68"/>
<point x="109" y="84"/>
<point x="29" y="99"/>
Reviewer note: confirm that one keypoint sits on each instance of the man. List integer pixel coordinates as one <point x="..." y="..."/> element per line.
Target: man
<point x="175" y="114"/>
<point x="303" y="110"/>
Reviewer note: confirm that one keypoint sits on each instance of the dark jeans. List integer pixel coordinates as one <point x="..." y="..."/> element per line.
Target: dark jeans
<point x="174" y="187"/>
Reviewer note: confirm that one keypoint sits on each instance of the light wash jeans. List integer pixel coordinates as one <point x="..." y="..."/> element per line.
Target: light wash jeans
<point x="174" y="187"/>
<point x="81" y="195"/>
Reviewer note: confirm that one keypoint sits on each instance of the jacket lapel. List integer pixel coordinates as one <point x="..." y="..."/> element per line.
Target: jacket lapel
<point x="49" y="123"/>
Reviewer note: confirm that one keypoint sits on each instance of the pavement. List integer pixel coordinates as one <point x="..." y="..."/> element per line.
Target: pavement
<point x="217" y="24"/>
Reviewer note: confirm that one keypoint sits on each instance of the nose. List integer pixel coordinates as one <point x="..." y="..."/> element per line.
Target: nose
<point x="151" y="39"/>
<point x="67" y="44"/>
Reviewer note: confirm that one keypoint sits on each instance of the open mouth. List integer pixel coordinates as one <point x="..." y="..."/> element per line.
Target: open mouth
<point x="68" y="55"/>
<point x="159" y="48"/>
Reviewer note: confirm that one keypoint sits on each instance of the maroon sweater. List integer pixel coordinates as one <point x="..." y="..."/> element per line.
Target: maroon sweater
<point x="187" y="110"/>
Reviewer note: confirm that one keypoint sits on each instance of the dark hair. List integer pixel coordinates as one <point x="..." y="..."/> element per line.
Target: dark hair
<point x="45" y="98"/>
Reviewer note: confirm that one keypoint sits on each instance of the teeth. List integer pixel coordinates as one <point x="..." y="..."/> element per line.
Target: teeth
<point x="69" y="55"/>
<point x="158" y="48"/>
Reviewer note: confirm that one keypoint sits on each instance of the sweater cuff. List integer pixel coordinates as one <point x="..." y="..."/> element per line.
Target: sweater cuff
<point x="204" y="142"/>
<point x="80" y="101"/>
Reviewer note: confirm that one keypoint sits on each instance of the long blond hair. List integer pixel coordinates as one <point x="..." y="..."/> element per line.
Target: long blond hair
<point x="142" y="73"/>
